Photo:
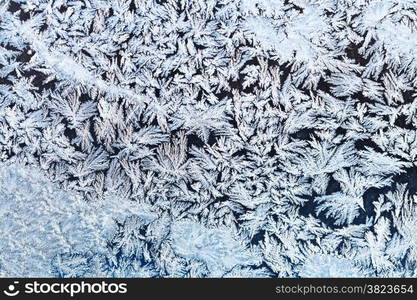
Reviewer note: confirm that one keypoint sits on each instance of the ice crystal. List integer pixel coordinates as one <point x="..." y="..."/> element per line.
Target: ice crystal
<point x="191" y="138"/>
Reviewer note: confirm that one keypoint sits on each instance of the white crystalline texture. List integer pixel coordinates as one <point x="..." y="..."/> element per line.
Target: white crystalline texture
<point x="39" y="220"/>
<point x="326" y="266"/>
<point x="217" y="247"/>
<point x="208" y="138"/>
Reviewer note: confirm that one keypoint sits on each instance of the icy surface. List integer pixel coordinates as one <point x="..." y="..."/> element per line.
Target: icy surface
<point x="215" y="138"/>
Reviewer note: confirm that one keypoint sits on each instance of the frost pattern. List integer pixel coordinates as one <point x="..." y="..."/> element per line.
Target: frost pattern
<point x="325" y="266"/>
<point x="216" y="248"/>
<point x="215" y="138"/>
<point x="39" y="221"/>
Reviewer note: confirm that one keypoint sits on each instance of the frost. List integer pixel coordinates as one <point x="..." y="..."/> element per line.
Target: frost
<point x="208" y="138"/>
<point x="217" y="248"/>
<point x="38" y="221"/>
<point x="326" y="266"/>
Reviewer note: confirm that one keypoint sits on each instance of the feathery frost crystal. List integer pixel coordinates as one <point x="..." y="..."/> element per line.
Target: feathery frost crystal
<point x="208" y="138"/>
